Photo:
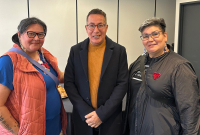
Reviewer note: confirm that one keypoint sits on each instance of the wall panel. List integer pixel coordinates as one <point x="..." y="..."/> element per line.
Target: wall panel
<point x="60" y="18"/>
<point x="131" y="14"/>
<point x="108" y="6"/>
<point x="166" y="9"/>
<point x="11" y="13"/>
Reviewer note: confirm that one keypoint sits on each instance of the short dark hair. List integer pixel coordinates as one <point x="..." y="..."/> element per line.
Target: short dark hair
<point x="160" y="22"/>
<point x="97" y="11"/>
<point x="23" y="25"/>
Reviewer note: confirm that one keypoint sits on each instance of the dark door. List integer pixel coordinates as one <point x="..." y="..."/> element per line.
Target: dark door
<point x="189" y="31"/>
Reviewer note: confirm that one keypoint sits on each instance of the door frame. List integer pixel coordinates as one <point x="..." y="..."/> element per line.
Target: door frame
<point x="179" y="23"/>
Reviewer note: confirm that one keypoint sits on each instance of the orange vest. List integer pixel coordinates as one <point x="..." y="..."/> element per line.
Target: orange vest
<point x="27" y="102"/>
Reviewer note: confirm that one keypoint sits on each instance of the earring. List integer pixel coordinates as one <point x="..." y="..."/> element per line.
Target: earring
<point x="165" y="48"/>
<point x="145" y="51"/>
<point x="20" y="44"/>
<point x="42" y="55"/>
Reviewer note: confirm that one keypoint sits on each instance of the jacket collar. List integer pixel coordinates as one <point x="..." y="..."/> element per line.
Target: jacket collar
<point x="153" y="60"/>
<point x="24" y="65"/>
<point x="107" y="55"/>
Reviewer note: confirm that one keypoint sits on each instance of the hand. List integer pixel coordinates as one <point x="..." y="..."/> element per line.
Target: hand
<point x="93" y="120"/>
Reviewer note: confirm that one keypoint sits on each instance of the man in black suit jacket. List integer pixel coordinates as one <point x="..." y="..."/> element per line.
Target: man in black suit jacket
<point x="100" y="115"/>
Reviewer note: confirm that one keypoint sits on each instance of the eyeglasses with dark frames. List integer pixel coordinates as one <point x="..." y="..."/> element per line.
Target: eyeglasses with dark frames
<point x="92" y="26"/>
<point x="153" y="35"/>
<point x="32" y="34"/>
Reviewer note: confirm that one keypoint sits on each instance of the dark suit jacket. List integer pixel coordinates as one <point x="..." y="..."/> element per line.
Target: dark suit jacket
<point x="112" y="87"/>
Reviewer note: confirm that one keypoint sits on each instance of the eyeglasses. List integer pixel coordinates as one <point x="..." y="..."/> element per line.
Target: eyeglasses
<point x="154" y="34"/>
<point x="99" y="26"/>
<point x="32" y="34"/>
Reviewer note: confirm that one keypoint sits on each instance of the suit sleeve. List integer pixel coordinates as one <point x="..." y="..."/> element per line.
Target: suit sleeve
<point x="119" y="91"/>
<point x="186" y="92"/>
<point x="72" y="91"/>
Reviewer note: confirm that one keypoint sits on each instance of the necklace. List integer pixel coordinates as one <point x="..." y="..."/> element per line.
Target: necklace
<point x="44" y="64"/>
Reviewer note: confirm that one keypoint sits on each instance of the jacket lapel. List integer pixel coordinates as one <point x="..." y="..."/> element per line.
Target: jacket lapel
<point x="84" y="55"/>
<point x="107" y="55"/>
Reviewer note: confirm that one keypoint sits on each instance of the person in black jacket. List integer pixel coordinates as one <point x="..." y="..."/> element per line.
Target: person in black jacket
<point x="163" y="96"/>
<point x="96" y="80"/>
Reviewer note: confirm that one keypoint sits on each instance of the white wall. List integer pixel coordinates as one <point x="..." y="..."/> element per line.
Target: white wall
<point x="176" y="36"/>
<point x="11" y="13"/>
<point x="166" y="9"/>
<point x="110" y="8"/>
<point x="132" y="14"/>
<point x="60" y="17"/>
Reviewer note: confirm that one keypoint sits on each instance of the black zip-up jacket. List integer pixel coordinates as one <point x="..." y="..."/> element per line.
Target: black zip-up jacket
<point x="145" y="115"/>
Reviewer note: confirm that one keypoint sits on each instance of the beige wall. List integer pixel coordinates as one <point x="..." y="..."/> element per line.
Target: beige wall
<point x="60" y="17"/>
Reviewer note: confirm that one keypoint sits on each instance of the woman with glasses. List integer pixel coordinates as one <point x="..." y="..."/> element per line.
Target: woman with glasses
<point x="163" y="96"/>
<point x="29" y="100"/>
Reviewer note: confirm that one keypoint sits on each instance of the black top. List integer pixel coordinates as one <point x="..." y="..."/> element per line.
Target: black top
<point x="177" y="81"/>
